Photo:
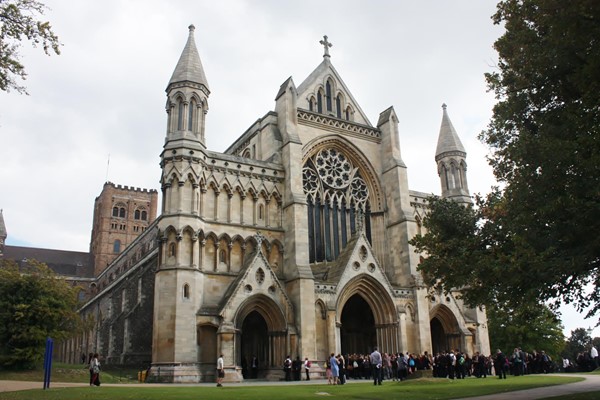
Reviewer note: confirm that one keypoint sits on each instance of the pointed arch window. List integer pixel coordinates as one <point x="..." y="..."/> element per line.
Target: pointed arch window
<point x="338" y="204"/>
<point x="338" y="106"/>
<point x="348" y="113"/>
<point x="186" y="291"/>
<point x="144" y="216"/>
<point x="311" y="103"/>
<point x="328" y="95"/>
<point x="115" y="212"/>
<point x="137" y="214"/>
<point x="180" y="114"/>
<point x="191" y="112"/>
<point x="319" y="102"/>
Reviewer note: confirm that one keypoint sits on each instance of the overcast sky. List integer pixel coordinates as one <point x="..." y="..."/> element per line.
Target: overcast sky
<point x="105" y="94"/>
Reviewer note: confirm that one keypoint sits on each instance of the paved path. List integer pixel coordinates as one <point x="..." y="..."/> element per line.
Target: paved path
<point x="590" y="384"/>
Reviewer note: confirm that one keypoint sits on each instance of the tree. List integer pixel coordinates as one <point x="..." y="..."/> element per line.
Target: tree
<point x="34" y="304"/>
<point x="18" y="21"/>
<point x="533" y="327"/>
<point x="545" y="141"/>
<point x="536" y="240"/>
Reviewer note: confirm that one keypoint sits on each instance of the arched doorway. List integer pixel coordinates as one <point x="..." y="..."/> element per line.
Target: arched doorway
<point x="445" y="332"/>
<point x="254" y="342"/>
<point x="438" y="336"/>
<point x="358" y="326"/>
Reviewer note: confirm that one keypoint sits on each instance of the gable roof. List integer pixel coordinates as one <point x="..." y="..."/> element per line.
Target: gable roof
<point x="318" y="76"/>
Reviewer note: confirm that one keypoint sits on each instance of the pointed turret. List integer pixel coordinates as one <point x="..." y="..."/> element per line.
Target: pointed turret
<point x="187" y="93"/>
<point x="450" y="157"/>
<point x="3" y="233"/>
<point x="189" y="67"/>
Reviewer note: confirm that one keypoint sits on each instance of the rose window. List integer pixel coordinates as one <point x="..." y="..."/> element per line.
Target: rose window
<point x="333" y="168"/>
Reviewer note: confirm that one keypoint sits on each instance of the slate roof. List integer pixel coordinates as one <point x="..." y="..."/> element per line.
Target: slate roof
<point x="63" y="262"/>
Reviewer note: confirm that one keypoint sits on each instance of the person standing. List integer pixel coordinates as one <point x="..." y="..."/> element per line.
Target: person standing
<point x="307" y="368"/>
<point x="376" y="364"/>
<point x="594" y="356"/>
<point x="500" y="365"/>
<point x="335" y="370"/>
<point x="220" y="371"/>
<point x="254" y="367"/>
<point x="95" y="370"/>
<point x="287" y="368"/>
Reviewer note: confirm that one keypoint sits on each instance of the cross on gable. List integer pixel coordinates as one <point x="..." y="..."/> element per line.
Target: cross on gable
<point x="326" y="44"/>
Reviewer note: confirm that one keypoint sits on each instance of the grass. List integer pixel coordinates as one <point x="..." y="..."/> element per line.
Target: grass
<point x="62" y="372"/>
<point x="415" y="390"/>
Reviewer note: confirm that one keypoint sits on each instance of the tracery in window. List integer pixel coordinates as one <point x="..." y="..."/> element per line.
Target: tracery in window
<point x="338" y="201"/>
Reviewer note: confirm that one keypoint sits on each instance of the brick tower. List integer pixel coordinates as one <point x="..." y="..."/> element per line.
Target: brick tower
<point x="121" y="214"/>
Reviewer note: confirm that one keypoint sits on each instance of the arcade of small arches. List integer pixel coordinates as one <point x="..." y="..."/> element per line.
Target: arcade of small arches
<point x="186" y="114"/>
<point x="241" y="205"/>
<point x="211" y="253"/>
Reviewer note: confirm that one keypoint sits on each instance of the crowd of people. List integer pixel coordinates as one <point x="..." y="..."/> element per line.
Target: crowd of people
<point x="453" y="364"/>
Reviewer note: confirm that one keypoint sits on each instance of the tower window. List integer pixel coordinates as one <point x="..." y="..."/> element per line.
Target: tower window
<point x="136" y="214"/>
<point x="192" y="106"/>
<point x="117" y="246"/>
<point x="328" y="95"/>
<point x="172" y="250"/>
<point x="121" y="212"/>
<point x="144" y="215"/>
<point x="180" y="115"/>
<point x="261" y="212"/>
<point x="222" y="257"/>
<point x="186" y="291"/>
<point x="115" y="212"/>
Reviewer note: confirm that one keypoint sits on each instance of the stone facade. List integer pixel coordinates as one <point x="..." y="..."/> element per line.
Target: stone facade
<point x="294" y="241"/>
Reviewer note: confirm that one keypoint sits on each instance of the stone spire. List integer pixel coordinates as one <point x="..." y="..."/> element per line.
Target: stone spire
<point x="3" y="233"/>
<point x="189" y="67"/>
<point x="451" y="159"/>
<point x="448" y="140"/>
<point x="187" y="94"/>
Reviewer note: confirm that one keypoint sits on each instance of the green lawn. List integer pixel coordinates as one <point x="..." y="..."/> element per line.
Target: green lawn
<point x="413" y="390"/>
<point x="62" y="372"/>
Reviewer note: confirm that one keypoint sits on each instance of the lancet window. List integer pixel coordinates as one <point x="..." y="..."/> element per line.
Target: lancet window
<point x="338" y="203"/>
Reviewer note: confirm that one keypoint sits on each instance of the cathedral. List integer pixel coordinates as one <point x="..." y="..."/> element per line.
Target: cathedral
<point x="294" y="241"/>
